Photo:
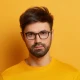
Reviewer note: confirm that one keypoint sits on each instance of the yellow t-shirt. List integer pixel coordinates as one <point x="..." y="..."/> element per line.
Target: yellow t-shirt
<point x="54" y="71"/>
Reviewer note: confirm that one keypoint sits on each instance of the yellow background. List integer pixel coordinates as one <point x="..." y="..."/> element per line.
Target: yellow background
<point x="66" y="42"/>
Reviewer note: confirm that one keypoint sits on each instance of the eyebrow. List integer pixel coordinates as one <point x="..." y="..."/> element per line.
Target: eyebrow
<point x="35" y="32"/>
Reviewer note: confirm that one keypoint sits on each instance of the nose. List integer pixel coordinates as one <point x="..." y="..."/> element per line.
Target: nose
<point x="37" y="39"/>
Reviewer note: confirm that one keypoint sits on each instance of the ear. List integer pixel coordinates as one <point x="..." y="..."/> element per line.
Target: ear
<point x="52" y="33"/>
<point x="22" y="35"/>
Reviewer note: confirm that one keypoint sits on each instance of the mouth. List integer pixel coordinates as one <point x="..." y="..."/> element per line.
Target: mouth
<point x="39" y="47"/>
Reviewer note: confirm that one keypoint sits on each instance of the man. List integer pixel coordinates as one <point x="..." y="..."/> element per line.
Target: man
<point x="36" y="24"/>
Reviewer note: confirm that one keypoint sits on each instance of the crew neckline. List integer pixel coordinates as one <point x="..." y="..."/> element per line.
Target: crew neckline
<point x="37" y="67"/>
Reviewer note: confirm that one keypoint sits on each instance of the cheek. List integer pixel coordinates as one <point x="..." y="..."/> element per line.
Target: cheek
<point x="47" y="42"/>
<point x="29" y="43"/>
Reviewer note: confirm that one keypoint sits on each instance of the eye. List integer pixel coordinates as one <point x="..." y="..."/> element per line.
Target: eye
<point x="43" y="32"/>
<point x="30" y="34"/>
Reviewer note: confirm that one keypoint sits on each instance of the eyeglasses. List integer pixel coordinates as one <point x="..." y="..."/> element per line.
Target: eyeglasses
<point x="42" y="35"/>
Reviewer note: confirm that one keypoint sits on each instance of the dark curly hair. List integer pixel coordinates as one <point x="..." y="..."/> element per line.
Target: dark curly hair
<point x="36" y="14"/>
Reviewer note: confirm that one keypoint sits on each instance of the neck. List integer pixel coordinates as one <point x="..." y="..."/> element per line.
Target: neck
<point x="33" y="61"/>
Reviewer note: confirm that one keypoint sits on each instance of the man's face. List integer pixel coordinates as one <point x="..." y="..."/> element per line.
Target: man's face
<point x="37" y="37"/>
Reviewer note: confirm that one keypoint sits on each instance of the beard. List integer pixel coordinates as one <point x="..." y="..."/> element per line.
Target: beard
<point x="40" y="52"/>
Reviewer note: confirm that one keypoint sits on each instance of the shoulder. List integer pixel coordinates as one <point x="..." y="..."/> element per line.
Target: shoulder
<point x="15" y="69"/>
<point x="66" y="70"/>
<point x="64" y="66"/>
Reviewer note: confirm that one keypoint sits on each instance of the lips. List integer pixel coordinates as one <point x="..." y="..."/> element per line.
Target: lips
<point x="38" y="47"/>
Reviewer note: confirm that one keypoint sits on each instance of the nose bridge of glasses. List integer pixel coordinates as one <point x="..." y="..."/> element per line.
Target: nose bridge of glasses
<point x="37" y="37"/>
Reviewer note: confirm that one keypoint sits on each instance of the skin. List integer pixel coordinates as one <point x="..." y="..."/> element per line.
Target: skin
<point x="36" y="28"/>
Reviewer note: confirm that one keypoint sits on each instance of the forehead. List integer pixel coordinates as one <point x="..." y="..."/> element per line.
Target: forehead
<point x="37" y="27"/>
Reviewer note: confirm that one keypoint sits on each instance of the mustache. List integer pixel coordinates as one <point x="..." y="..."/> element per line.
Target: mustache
<point x="38" y="44"/>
